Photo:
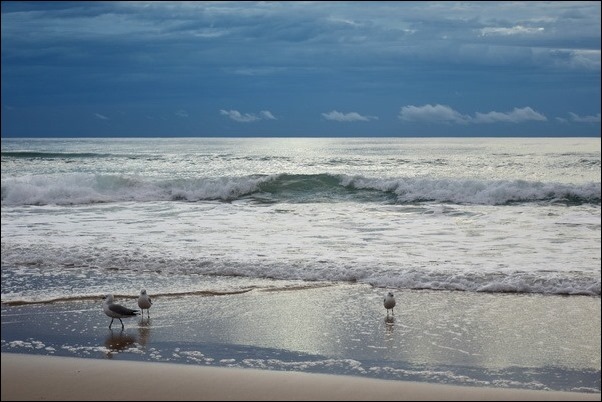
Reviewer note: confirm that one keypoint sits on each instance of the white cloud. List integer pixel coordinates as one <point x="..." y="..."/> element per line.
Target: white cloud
<point x="515" y="30"/>
<point x="100" y="116"/>
<point x="347" y="117"/>
<point x="515" y="116"/>
<point x="182" y="113"/>
<point x="445" y="114"/>
<point x="266" y="114"/>
<point x="432" y="113"/>
<point x="247" y="117"/>
<point x="585" y="119"/>
<point x="239" y="117"/>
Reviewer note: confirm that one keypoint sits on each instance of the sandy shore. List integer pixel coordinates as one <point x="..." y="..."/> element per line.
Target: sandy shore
<point x="298" y="344"/>
<point x="29" y="377"/>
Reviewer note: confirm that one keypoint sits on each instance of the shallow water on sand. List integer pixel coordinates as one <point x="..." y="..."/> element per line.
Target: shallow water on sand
<point x="518" y="341"/>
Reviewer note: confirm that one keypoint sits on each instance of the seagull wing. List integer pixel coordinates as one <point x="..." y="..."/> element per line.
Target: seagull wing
<point x="116" y="308"/>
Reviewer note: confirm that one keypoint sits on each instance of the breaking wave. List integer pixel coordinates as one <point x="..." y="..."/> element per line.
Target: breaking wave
<point x="85" y="188"/>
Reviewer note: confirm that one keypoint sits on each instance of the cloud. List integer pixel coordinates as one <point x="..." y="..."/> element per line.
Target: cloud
<point x="585" y="119"/>
<point x="347" y="117"/>
<point x="267" y="115"/>
<point x="575" y="59"/>
<point x="515" y="30"/>
<point x="360" y="55"/>
<point x="100" y="116"/>
<point x="182" y="113"/>
<point x="515" y="116"/>
<point x="445" y="114"/>
<point x="247" y="117"/>
<point x="239" y="117"/>
<point x="432" y="113"/>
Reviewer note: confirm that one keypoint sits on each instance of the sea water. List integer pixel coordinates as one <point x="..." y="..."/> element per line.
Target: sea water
<point x="492" y="247"/>
<point x="81" y="217"/>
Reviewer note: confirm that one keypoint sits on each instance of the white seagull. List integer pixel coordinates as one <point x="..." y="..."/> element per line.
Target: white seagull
<point x="144" y="302"/>
<point x="115" y="310"/>
<point x="389" y="302"/>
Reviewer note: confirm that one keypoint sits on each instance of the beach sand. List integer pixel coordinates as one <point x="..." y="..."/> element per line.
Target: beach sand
<point x="330" y="341"/>
<point x="28" y="377"/>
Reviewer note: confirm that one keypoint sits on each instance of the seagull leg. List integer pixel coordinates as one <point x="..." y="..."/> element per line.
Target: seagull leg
<point x="122" y="327"/>
<point x="111" y="323"/>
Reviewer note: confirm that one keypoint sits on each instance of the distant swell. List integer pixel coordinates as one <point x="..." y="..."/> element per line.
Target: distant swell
<point x="53" y="155"/>
<point x="82" y="188"/>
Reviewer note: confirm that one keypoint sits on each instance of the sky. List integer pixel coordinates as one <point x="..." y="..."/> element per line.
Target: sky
<point x="332" y="69"/>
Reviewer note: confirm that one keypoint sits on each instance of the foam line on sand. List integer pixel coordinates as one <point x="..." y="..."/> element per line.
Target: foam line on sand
<point x="33" y="377"/>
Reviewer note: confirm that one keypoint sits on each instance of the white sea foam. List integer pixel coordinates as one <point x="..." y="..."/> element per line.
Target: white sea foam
<point x="473" y="248"/>
<point x="83" y="188"/>
<point x="86" y="188"/>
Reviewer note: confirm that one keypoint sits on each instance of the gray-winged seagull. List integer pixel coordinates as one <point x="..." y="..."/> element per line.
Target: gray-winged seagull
<point x="389" y="302"/>
<point x="144" y="302"/>
<point x="115" y="310"/>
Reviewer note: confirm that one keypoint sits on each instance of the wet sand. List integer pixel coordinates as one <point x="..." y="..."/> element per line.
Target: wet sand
<point x="28" y="377"/>
<point x="325" y="342"/>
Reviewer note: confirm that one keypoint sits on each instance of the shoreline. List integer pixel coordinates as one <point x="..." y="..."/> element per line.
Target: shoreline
<point x="521" y="342"/>
<point x="29" y="377"/>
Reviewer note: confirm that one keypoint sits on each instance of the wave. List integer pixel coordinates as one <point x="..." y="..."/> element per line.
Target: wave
<point x="85" y="297"/>
<point x="28" y="269"/>
<point x="52" y="155"/>
<point x="83" y="188"/>
<point x="40" y="298"/>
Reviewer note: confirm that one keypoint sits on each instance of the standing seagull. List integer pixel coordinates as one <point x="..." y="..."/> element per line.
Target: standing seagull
<point x="115" y="310"/>
<point x="389" y="303"/>
<point x="144" y="302"/>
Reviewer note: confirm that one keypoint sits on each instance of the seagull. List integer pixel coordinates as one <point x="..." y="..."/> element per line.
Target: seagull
<point x="389" y="302"/>
<point x="115" y="310"/>
<point x="144" y="302"/>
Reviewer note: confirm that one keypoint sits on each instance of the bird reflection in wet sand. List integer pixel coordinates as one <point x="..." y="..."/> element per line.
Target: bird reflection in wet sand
<point x="389" y="324"/>
<point x="144" y="329"/>
<point x="118" y="341"/>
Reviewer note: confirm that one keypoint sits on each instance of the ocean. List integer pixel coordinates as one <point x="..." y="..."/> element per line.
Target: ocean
<point x="275" y="253"/>
<point x="81" y="217"/>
